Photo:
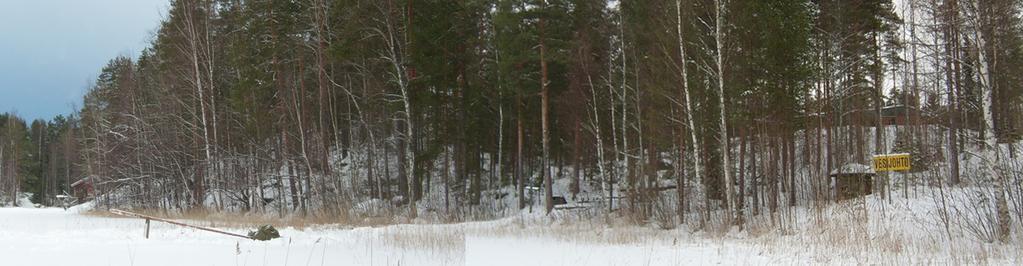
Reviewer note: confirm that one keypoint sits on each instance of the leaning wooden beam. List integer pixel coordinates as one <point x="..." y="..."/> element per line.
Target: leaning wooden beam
<point x="147" y="218"/>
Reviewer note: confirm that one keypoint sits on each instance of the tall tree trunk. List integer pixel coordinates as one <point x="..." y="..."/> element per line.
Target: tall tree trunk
<point x="192" y="35"/>
<point x="992" y="158"/>
<point x="577" y="157"/>
<point x="520" y="139"/>
<point x="952" y="70"/>
<point x="545" y="110"/>
<point x="719" y="38"/>
<point x="694" y="144"/>
<point x="601" y="163"/>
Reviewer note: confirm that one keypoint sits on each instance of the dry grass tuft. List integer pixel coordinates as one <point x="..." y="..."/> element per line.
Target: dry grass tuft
<point x="243" y="220"/>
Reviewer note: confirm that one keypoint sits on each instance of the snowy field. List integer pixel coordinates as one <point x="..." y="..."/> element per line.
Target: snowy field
<point x="872" y="232"/>
<point x="55" y="237"/>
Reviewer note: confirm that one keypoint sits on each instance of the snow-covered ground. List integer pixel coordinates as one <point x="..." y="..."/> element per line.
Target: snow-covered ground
<point x="874" y="231"/>
<point x="900" y="231"/>
<point x="57" y="237"/>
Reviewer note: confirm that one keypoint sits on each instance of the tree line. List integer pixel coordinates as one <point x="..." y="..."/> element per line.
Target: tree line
<point x="318" y="107"/>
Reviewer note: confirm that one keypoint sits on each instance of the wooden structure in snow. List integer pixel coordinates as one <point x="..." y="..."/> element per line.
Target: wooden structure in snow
<point x="852" y="180"/>
<point x="148" y="218"/>
<point x="83" y="189"/>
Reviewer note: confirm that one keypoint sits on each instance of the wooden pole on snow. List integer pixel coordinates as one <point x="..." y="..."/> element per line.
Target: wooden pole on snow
<point x="147" y="218"/>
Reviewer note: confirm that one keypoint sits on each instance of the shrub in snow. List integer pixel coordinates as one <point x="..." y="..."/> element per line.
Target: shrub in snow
<point x="265" y="233"/>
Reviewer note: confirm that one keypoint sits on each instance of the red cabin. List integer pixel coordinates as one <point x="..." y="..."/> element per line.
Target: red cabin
<point x="83" y="189"/>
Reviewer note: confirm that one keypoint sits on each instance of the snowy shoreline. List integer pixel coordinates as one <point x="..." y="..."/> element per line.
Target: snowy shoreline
<point x="901" y="232"/>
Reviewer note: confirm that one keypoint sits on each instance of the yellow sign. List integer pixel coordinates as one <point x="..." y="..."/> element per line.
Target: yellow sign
<point x="892" y="162"/>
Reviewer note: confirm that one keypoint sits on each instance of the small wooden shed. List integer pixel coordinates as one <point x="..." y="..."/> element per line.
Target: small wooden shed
<point x="852" y="180"/>
<point x="83" y="189"/>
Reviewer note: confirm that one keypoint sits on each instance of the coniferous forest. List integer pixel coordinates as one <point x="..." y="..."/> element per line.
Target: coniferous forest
<point x="704" y="112"/>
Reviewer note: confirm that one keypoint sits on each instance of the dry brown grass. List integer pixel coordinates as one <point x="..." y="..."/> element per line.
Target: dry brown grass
<point x="249" y="220"/>
<point x="608" y="230"/>
<point x="436" y="237"/>
<point x="842" y="233"/>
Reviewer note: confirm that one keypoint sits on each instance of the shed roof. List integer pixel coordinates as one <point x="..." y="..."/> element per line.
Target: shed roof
<point x="853" y="169"/>
<point x="81" y="182"/>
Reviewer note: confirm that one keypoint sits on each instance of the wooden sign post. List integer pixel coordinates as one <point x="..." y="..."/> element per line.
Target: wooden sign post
<point x="892" y="162"/>
<point x="899" y="162"/>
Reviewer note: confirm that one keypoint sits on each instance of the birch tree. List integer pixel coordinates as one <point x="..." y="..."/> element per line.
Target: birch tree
<point x="719" y="41"/>
<point x="694" y="145"/>
<point x="545" y="110"/>
<point x="990" y="153"/>
<point x="395" y="37"/>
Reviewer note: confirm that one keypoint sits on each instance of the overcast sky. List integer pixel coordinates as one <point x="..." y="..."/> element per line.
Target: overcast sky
<point x="51" y="50"/>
